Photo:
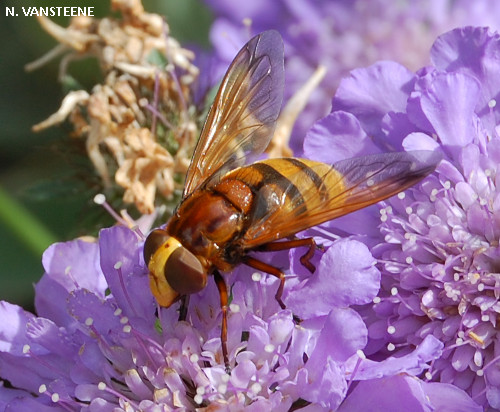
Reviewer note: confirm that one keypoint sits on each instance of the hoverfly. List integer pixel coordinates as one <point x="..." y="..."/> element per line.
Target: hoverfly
<point x="229" y="210"/>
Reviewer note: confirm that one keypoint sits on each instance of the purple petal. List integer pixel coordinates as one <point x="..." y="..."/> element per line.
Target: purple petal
<point x="248" y="10"/>
<point x="343" y="333"/>
<point x="69" y="266"/>
<point x="327" y="387"/>
<point x="449" y="103"/>
<point x="372" y="92"/>
<point x="396" y="126"/>
<point x="400" y="392"/>
<point x="25" y="373"/>
<point x="88" y="308"/>
<point x="123" y="267"/>
<point x="345" y="276"/>
<point x="337" y="136"/>
<point x="446" y="397"/>
<point x="8" y="394"/>
<point x="13" y="327"/>
<point x="473" y="50"/>
<point x="51" y="337"/>
<point x="419" y="141"/>
<point x="390" y="394"/>
<point x="50" y="301"/>
<point x="413" y="363"/>
<point x="74" y="265"/>
<point x="29" y="404"/>
<point x="243" y="373"/>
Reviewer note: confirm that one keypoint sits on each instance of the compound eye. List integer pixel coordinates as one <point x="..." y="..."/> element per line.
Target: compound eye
<point x="154" y="241"/>
<point x="184" y="272"/>
<point x="173" y="270"/>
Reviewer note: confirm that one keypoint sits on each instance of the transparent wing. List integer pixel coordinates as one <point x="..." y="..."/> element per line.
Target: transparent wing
<point x="319" y="192"/>
<point x="241" y="121"/>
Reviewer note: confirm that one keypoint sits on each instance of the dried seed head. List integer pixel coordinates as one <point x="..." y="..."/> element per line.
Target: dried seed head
<point x="139" y="125"/>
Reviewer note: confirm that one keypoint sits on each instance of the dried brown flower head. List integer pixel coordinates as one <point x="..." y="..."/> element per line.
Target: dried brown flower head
<point x="139" y="125"/>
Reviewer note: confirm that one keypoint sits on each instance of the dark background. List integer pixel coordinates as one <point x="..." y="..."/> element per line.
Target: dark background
<point x="46" y="185"/>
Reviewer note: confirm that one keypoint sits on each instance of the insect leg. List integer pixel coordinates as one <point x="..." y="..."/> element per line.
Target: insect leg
<point x="290" y="244"/>
<point x="264" y="267"/>
<point x="221" y="286"/>
<point x="184" y="307"/>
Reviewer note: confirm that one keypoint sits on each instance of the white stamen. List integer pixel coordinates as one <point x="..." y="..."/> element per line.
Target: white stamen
<point x="194" y="358"/>
<point x="391" y="330"/>
<point x="394" y="291"/>
<point x="256" y="388"/>
<point x="26" y="349"/>
<point x="234" y="307"/>
<point x="124" y="320"/>
<point x="391" y="347"/>
<point x="478" y="358"/>
<point x="89" y="322"/>
<point x="99" y="199"/>
<point x="376" y="299"/>
<point x="256" y="276"/>
<point x="117" y="312"/>
<point x="42" y="388"/>
<point x="432" y="196"/>
<point x="55" y="397"/>
<point x="401" y="195"/>
<point x="118" y="265"/>
<point x="492" y="103"/>
<point x="101" y="386"/>
<point x="269" y="348"/>
<point x="127" y="329"/>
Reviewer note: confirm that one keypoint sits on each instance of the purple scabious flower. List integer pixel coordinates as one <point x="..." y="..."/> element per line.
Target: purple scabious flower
<point x="341" y="35"/>
<point x="100" y="343"/>
<point x="438" y="243"/>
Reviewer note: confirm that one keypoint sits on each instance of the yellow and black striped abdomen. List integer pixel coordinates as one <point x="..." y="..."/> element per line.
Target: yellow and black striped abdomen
<point x="285" y="190"/>
<point x="291" y="195"/>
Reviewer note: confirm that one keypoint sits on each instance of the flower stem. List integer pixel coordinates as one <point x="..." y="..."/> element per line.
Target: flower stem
<point x="23" y="224"/>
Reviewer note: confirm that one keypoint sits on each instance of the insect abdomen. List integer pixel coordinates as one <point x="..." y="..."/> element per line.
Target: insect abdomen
<point x="289" y="183"/>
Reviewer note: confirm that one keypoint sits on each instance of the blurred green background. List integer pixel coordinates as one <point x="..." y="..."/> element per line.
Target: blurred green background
<point x="46" y="184"/>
